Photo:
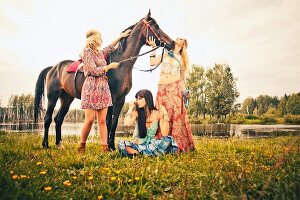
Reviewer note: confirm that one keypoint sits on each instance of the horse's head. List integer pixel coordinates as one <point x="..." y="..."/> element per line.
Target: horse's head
<point x="151" y="28"/>
<point x="147" y="27"/>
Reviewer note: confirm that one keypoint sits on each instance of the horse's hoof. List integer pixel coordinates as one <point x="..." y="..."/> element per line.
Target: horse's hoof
<point x="60" y="146"/>
<point x="111" y="148"/>
<point x="45" y="145"/>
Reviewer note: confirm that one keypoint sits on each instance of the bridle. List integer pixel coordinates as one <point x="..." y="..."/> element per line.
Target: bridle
<point x="161" y="44"/>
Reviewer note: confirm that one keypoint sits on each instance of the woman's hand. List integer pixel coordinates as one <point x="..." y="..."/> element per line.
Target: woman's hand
<point x="112" y="65"/>
<point x="125" y="33"/>
<point x="163" y="112"/>
<point x="151" y="41"/>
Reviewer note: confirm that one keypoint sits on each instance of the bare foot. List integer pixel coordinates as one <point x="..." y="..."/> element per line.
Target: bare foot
<point x="131" y="150"/>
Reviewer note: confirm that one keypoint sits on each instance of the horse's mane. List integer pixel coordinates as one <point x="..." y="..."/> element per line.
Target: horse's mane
<point x="123" y="43"/>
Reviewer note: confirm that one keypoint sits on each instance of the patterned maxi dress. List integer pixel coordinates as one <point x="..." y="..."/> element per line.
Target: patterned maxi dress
<point x="148" y="145"/>
<point x="95" y="92"/>
<point x="170" y="96"/>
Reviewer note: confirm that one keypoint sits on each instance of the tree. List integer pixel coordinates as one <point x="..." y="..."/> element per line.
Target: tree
<point x="248" y="106"/>
<point x="293" y="105"/>
<point x="221" y="90"/>
<point x="197" y="85"/>
<point x="281" y="108"/>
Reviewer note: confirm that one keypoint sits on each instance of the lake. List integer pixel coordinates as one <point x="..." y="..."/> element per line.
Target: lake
<point x="209" y="130"/>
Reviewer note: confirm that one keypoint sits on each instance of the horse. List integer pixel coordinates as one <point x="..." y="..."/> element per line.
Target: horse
<point x="60" y="84"/>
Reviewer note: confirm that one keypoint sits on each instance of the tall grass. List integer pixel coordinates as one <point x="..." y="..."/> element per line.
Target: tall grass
<point x="219" y="169"/>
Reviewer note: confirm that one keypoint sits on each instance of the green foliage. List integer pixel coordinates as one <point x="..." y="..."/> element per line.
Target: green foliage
<point x="292" y="119"/>
<point x="268" y="119"/>
<point x="293" y="105"/>
<point x="248" y="106"/>
<point x="220" y="169"/>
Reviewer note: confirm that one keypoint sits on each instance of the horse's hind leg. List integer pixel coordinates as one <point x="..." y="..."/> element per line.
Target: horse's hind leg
<point x="52" y="99"/>
<point x="65" y="100"/>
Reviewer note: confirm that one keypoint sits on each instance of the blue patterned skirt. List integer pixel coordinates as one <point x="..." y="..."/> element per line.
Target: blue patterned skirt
<point x="156" y="147"/>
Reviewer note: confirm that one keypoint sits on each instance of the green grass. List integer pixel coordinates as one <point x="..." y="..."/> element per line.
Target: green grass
<point x="220" y="169"/>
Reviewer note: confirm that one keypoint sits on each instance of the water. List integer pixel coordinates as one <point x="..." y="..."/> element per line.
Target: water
<point x="210" y="130"/>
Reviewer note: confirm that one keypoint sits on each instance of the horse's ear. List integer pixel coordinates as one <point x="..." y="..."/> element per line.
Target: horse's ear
<point x="149" y="14"/>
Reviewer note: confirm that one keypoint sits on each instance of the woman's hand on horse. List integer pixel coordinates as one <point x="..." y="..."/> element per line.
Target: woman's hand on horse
<point x="151" y="41"/>
<point x="112" y="65"/>
<point x="125" y="33"/>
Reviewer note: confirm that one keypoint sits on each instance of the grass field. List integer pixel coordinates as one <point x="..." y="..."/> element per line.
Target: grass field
<point x="220" y="169"/>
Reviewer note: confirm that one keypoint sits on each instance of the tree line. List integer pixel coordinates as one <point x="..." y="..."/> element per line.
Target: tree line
<point x="213" y="93"/>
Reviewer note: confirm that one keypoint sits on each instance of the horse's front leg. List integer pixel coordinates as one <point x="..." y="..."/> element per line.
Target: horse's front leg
<point x="116" y="111"/>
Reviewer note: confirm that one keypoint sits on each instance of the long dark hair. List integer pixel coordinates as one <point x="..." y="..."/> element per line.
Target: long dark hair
<point x="142" y="111"/>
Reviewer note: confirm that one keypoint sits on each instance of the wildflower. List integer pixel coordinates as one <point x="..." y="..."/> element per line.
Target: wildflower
<point x="43" y="172"/>
<point x="15" y="177"/>
<point x="48" y="188"/>
<point x="106" y="168"/>
<point x="38" y="163"/>
<point x="100" y="197"/>
<point x="129" y="180"/>
<point x="67" y="183"/>
<point x="90" y="177"/>
<point x="118" y="172"/>
<point x="23" y="176"/>
<point x="74" y="177"/>
<point x="11" y="172"/>
<point x="136" y="178"/>
<point x="112" y="178"/>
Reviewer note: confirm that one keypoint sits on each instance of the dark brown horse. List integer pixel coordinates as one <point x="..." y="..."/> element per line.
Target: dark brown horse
<point x="60" y="84"/>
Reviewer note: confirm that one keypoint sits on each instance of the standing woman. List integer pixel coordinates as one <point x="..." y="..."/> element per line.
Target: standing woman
<point x="95" y="94"/>
<point x="171" y="85"/>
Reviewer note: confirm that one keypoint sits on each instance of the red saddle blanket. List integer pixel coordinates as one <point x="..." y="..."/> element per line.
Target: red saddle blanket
<point x="74" y="66"/>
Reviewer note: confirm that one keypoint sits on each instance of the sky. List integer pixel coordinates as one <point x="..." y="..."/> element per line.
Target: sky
<point x="258" y="39"/>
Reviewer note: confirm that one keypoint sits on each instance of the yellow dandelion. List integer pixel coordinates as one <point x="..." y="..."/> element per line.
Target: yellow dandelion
<point x="119" y="179"/>
<point x="43" y="172"/>
<point x="226" y="161"/>
<point x="38" y="163"/>
<point x="67" y="183"/>
<point x="136" y="178"/>
<point x="23" y="176"/>
<point x="100" y="197"/>
<point x="106" y="168"/>
<point x="112" y="178"/>
<point x="118" y="172"/>
<point x="209" y="159"/>
<point x="74" y="177"/>
<point x="129" y="180"/>
<point x="90" y="177"/>
<point x="15" y="177"/>
<point x="11" y="172"/>
<point x="48" y="188"/>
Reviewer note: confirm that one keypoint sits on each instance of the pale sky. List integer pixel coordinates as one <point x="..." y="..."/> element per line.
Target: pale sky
<point x="259" y="39"/>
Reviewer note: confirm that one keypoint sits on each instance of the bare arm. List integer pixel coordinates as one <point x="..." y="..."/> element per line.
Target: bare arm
<point x="164" y="121"/>
<point x="131" y="115"/>
<point x="154" y="60"/>
<point x="123" y="34"/>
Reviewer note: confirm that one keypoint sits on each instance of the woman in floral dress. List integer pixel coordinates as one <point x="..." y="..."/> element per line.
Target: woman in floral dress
<point x="95" y="95"/>
<point x="171" y="86"/>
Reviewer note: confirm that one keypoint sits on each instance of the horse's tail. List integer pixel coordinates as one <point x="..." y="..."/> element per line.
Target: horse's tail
<point x="39" y="92"/>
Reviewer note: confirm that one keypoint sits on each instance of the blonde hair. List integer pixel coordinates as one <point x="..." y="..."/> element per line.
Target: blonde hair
<point x="92" y="40"/>
<point x="185" y="59"/>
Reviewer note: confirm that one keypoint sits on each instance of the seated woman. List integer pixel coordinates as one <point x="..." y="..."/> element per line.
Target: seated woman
<point x="148" y="120"/>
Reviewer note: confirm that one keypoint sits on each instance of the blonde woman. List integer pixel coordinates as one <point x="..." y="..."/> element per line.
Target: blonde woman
<point x="173" y="70"/>
<point x="95" y="95"/>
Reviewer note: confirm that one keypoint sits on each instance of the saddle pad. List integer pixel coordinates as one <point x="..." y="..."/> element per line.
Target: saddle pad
<point x="73" y="66"/>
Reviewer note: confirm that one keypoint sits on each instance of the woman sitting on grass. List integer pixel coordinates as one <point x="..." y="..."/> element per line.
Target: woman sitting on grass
<point x="149" y="119"/>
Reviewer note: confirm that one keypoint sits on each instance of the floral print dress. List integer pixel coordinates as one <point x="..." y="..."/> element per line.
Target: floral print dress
<point x="95" y="92"/>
